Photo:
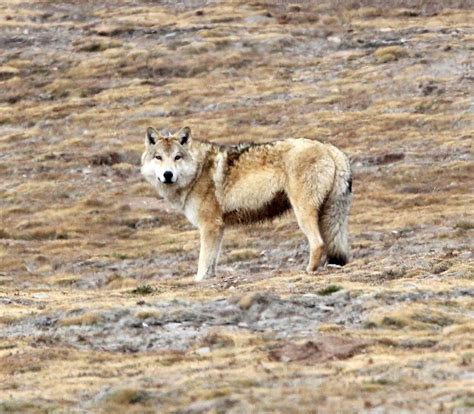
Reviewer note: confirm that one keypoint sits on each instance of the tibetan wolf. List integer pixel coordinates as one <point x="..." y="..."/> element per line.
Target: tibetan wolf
<point x="221" y="185"/>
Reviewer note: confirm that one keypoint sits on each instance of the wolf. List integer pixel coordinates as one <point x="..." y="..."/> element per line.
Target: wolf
<point x="218" y="185"/>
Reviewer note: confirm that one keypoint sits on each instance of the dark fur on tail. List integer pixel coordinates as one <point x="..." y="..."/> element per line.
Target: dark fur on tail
<point x="339" y="260"/>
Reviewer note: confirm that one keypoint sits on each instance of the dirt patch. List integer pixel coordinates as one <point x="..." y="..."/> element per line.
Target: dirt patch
<point x="179" y="325"/>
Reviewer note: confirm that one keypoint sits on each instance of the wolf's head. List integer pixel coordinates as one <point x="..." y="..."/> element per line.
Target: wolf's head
<point x="167" y="161"/>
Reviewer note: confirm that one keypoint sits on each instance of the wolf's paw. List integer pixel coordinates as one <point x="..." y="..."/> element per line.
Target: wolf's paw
<point x="311" y="270"/>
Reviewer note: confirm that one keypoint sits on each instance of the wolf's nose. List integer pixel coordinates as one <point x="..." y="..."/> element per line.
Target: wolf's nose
<point x="168" y="175"/>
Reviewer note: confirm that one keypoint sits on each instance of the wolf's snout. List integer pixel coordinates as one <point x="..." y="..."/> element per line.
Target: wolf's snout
<point x="168" y="176"/>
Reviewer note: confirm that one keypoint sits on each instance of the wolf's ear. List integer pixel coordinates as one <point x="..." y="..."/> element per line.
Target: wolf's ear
<point x="184" y="135"/>
<point x="152" y="136"/>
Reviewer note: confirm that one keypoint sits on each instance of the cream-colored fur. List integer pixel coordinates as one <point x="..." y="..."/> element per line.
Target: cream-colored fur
<point x="215" y="186"/>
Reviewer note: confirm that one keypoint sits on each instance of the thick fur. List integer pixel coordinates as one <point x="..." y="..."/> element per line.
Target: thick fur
<point x="216" y="186"/>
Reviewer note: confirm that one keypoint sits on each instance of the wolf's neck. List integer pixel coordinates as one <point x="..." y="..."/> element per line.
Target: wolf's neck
<point x="203" y="152"/>
<point x="172" y="196"/>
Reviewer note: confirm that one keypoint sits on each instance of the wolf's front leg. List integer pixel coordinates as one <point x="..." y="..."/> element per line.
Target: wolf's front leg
<point x="211" y="238"/>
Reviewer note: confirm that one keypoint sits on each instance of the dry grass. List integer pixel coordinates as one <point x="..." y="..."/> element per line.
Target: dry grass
<point x="389" y="54"/>
<point x="85" y="319"/>
<point x="99" y="309"/>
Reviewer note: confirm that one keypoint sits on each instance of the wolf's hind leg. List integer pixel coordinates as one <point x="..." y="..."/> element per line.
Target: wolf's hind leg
<point x="307" y="218"/>
<point x="211" y="239"/>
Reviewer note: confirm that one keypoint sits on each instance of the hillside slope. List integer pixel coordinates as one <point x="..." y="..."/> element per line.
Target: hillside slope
<point x="98" y="308"/>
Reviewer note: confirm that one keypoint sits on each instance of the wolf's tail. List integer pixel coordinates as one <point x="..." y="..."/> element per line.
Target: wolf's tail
<point x="334" y="214"/>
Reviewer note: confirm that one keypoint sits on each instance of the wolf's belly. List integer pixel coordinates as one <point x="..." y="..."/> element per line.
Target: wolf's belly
<point x="254" y="197"/>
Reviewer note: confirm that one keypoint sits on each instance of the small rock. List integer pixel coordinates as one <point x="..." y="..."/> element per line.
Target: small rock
<point x="203" y="351"/>
<point x="335" y="39"/>
<point x="40" y="296"/>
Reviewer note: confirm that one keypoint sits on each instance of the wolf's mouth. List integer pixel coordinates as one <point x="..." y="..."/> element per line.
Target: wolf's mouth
<point x="167" y="181"/>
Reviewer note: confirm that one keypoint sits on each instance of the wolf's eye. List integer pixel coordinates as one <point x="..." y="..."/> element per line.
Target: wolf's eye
<point x="178" y="157"/>
<point x="158" y="157"/>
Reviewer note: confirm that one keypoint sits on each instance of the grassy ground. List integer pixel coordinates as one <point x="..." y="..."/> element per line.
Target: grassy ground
<point x="98" y="308"/>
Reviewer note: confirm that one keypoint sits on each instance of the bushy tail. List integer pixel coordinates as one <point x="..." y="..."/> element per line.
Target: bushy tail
<point x="334" y="215"/>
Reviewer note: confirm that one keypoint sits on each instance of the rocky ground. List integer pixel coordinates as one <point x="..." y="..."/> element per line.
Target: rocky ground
<point x="98" y="308"/>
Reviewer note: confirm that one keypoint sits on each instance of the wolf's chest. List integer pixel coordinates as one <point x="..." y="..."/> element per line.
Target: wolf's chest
<point x="191" y="211"/>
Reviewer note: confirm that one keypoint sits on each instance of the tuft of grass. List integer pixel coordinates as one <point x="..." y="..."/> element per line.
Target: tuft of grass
<point x="66" y="281"/>
<point x="7" y="72"/>
<point x="127" y="396"/>
<point x="145" y="314"/>
<point x="143" y="290"/>
<point x="9" y="319"/>
<point x="119" y="282"/>
<point x="4" y="234"/>
<point x="435" y="318"/>
<point x="16" y="406"/>
<point x="441" y="267"/>
<point x="383" y="381"/>
<point x="464" y="225"/>
<point x="295" y="8"/>
<point x="469" y="402"/>
<point x="369" y="12"/>
<point x="467" y="359"/>
<point x="389" y="54"/>
<point x="82" y="320"/>
<point x="240" y="255"/>
<point x="120" y="256"/>
<point x="393" y="322"/>
<point x="46" y="233"/>
<point x="217" y="340"/>
<point x="94" y="203"/>
<point x="329" y="290"/>
<point x="96" y="45"/>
